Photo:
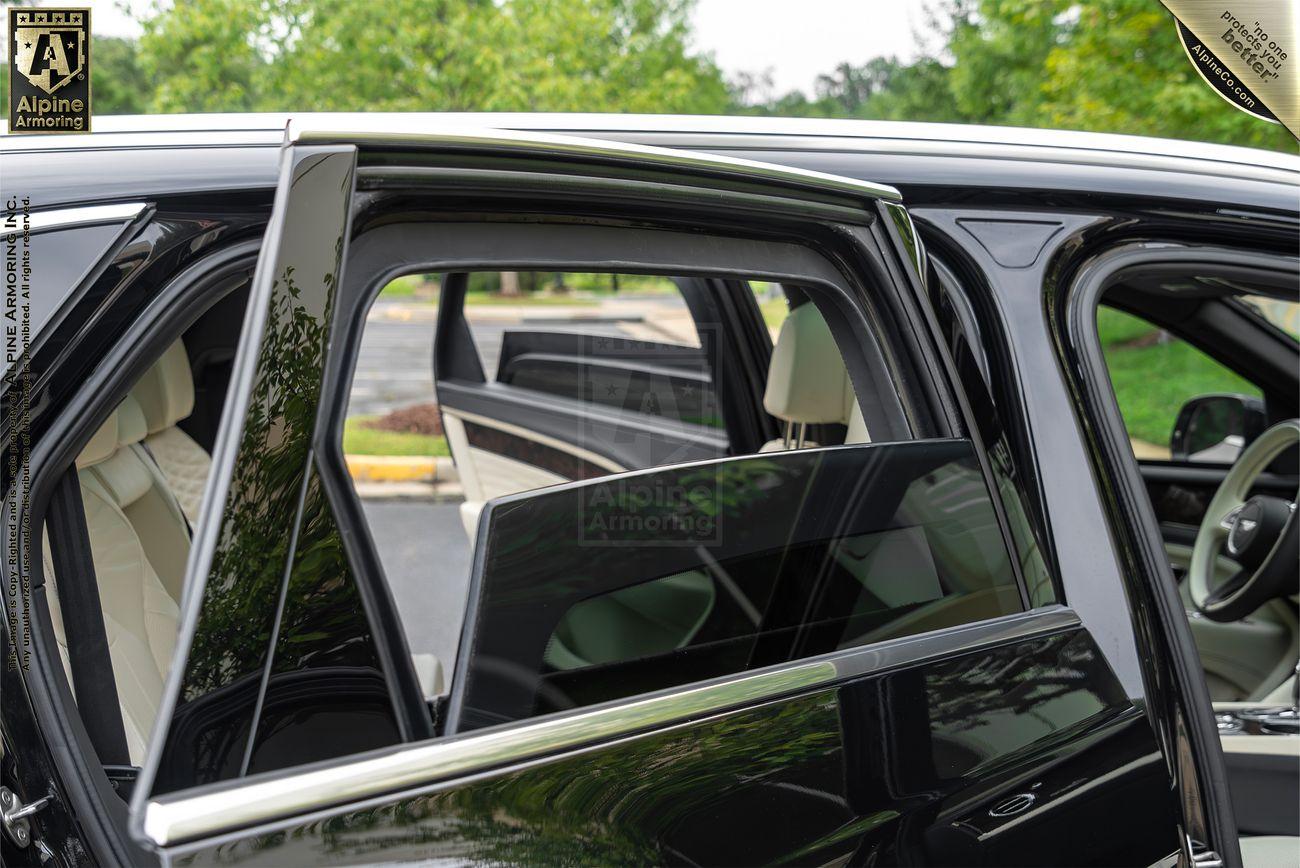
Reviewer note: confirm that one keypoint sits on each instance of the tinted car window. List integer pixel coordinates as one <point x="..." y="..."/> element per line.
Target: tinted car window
<point x="1154" y="373"/>
<point x="637" y="583"/>
<point x="65" y="257"/>
<point x="284" y="666"/>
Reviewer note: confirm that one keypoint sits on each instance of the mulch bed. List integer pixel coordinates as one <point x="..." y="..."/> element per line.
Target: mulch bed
<point x="415" y="419"/>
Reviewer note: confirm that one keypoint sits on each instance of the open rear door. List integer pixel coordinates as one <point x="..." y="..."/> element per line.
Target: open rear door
<point x="292" y="701"/>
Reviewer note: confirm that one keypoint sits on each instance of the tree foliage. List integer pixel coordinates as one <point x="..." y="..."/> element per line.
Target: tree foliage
<point x="1101" y="65"/>
<point x="1104" y="65"/>
<point x="427" y="55"/>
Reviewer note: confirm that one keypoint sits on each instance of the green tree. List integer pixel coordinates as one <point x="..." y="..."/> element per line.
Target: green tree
<point x="430" y="55"/>
<point x="1100" y="65"/>
<point x="1120" y="67"/>
<point x="118" y="84"/>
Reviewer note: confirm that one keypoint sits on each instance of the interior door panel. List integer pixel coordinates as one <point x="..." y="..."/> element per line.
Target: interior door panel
<point x="570" y="405"/>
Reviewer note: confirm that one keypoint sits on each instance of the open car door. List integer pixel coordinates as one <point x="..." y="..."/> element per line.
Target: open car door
<point x="815" y="704"/>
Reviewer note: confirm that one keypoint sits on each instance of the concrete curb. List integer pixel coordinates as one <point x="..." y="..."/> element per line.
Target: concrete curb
<point x="427" y="492"/>
<point x="400" y="468"/>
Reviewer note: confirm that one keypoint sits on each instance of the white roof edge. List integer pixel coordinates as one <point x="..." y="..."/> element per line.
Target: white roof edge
<point x="446" y="137"/>
<point x="697" y="124"/>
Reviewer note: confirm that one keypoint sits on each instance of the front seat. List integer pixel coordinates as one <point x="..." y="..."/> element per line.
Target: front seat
<point x="141" y="616"/>
<point x="166" y="394"/>
<point x="807" y="382"/>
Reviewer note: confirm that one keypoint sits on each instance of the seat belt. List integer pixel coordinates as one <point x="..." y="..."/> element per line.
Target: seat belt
<point x="158" y="474"/>
<point x="83" y="623"/>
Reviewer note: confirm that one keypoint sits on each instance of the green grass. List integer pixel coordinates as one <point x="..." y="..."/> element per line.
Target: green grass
<point x="582" y="287"/>
<point x="406" y="287"/>
<point x="1152" y="381"/>
<point x="632" y="284"/>
<point x="359" y="440"/>
<point x="1116" y="327"/>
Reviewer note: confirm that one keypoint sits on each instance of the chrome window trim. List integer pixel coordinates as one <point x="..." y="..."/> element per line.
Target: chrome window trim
<point x="181" y="817"/>
<point x="69" y="218"/>
<point x="415" y="132"/>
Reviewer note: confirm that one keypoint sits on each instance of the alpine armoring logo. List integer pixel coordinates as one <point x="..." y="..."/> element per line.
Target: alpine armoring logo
<point x="49" y="72"/>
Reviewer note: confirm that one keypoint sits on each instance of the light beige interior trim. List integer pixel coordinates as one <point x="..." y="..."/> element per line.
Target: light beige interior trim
<point x="1262" y="745"/>
<point x="527" y="434"/>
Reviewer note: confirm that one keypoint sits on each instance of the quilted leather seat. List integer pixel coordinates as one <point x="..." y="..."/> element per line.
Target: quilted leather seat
<point x="141" y="616"/>
<point x="166" y="395"/>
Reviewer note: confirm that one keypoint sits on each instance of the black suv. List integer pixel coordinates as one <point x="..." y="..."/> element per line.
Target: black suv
<point x="822" y="531"/>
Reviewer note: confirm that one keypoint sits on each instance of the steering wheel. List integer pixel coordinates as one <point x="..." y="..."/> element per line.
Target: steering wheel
<point x="1258" y="532"/>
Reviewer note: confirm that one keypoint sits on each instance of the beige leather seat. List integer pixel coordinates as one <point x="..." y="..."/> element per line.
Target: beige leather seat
<point x="807" y="382"/>
<point x="1273" y="851"/>
<point x="166" y="394"/>
<point x="141" y="616"/>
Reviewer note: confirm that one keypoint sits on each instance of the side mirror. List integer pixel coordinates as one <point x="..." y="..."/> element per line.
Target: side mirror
<point x="1215" y="428"/>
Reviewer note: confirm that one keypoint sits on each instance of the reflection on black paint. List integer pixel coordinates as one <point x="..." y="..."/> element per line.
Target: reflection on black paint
<point x="324" y="649"/>
<point x="939" y="740"/>
<point x="326" y="695"/>
<point x="900" y="768"/>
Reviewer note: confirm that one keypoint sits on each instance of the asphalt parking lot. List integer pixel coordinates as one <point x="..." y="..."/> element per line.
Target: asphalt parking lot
<point x="426" y="559"/>
<point x="421" y="542"/>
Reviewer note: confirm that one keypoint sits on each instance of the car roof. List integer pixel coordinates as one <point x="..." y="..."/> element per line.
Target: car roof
<point x="941" y="158"/>
<point x="182" y="129"/>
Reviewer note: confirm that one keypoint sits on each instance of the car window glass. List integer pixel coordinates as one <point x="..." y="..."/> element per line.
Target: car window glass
<point x="640" y="354"/>
<point x="1154" y="373"/>
<point x="680" y="575"/>
<point x="66" y="256"/>
<point x="1283" y="314"/>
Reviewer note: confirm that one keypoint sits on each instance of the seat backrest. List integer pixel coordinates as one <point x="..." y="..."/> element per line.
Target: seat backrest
<point x="807" y="382"/>
<point x="141" y="617"/>
<point x="166" y="396"/>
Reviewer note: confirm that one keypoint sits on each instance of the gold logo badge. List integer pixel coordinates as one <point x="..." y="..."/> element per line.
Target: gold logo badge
<point x="1247" y="51"/>
<point x="49" y="74"/>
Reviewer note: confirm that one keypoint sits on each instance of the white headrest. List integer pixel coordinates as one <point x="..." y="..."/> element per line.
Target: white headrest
<point x="124" y="427"/>
<point x="857" y="432"/>
<point x="131" y="426"/>
<point x="103" y="443"/>
<point x="166" y="391"/>
<point x="806" y="380"/>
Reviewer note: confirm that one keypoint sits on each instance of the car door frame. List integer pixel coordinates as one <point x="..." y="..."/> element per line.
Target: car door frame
<point x="196" y="816"/>
<point x="1183" y="700"/>
<point x="96" y="808"/>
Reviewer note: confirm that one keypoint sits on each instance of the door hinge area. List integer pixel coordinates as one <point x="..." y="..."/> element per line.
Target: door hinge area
<point x="1204" y="857"/>
<point x="14" y="814"/>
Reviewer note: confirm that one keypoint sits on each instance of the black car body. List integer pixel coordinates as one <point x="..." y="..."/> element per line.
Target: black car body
<point x="1070" y="725"/>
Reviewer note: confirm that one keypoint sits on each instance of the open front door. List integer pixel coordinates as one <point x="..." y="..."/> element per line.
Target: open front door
<point x="274" y="625"/>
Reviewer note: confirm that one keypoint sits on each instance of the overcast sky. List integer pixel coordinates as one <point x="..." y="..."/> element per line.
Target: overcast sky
<point x="794" y="40"/>
<point x="798" y="39"/>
